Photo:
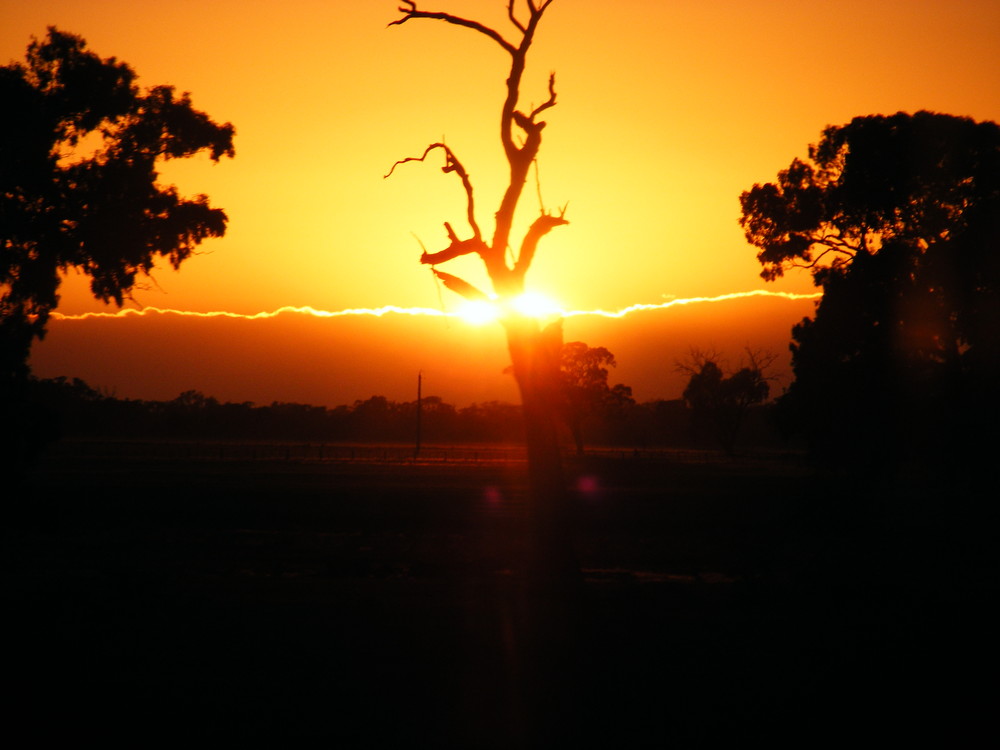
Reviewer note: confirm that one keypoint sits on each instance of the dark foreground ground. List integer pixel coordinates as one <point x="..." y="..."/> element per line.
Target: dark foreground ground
<point x="375" y="604"/>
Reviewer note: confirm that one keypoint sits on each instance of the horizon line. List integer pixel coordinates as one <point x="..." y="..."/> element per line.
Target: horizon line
<point x="413" y="311"/>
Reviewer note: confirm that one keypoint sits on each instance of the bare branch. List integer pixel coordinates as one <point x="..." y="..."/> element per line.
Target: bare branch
<point x="454" y="250"/>
<point x="451" y="164"/>
<point x="538" y="187"/>
<point x="454" y="165"/>
<point x="413" y="158"/>
<point x="537" y="10"/>
<point x="410" y="11"/>
<point x="509" y="115"/>
<point x="550" y="102"/>
<point x="538" y="229"/>
<point x="513" y="19"/>
<point x="507" y="276"/>
<point x="835" y="242"/>
<point x="527" y="122"/>
<point x="760" y="360"/>
<point x="460" y="286"/>
<point x="828" y="249"/>
<point x="420" y="242"/>
<point x="696" y="359"/>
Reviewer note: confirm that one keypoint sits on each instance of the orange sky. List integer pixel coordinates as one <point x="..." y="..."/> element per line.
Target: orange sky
<point x="304" y="358"/>
<point x="667" y="111"/>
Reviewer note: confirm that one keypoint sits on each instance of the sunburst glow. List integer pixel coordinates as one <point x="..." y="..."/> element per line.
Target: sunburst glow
<point x="530" y="304"/>
<point x="479" y="312"/>
<point x="535" y="305"/>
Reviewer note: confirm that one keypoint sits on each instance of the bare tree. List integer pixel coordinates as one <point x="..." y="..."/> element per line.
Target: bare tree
<point x="534" y="349"/>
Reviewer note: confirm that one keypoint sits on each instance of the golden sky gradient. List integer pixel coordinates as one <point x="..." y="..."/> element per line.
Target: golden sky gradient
<point x="666" y="112"/>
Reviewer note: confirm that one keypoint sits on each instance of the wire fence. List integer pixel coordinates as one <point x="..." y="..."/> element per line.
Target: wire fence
<point x="281" y="451"/>
<point x="241" y="451"/>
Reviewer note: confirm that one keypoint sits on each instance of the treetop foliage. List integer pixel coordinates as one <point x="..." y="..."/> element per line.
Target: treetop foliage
<point x="719" y="400"/>
<point x="915" y="180"/>
<point x="79" y="145"/>
<point x="585" y="367"/>
<point x="898" y="219"/>
<point x="584" y="395"/>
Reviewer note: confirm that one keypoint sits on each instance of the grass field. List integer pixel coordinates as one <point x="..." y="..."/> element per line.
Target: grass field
<point x="378" y="603"/>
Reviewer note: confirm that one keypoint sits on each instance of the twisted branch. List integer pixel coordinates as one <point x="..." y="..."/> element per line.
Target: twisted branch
<point x="451" y="164"/>
<point x="513" y="19"/>
<point x="507" y="276"/>
<point x="814" y="262"/>
<point x="550" y="102"/>
<point x="538" y="229"/>
<point x="411" y="11"/>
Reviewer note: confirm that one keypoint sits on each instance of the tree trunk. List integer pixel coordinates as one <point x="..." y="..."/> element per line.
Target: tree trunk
<point x="534" y="352"/>
<point x="550" y="556"/>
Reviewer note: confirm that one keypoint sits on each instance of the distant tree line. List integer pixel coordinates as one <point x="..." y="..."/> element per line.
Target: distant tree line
<point x="78" y="410"/>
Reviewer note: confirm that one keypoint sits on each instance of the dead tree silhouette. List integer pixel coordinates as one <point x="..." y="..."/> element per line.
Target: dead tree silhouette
<point x="534" y="349"/>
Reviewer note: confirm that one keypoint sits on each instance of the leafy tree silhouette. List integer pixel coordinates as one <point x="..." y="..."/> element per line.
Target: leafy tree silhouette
<point x="534" y="350"/>
<point x="719" y="402"/>
<point x="898" y="219"/>
<point x="585" y="390"/>
<point x="79" y="148"/>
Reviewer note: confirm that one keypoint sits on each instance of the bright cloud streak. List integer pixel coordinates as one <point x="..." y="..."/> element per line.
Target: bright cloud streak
<point x="377" y="312"/>
<point x="395" y="310"/>
<point x="690" y="300"/>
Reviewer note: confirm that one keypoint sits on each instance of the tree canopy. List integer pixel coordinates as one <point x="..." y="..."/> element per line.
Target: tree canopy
<point x="79" y="148"/>
<point x="718" y="400"/>
<point x="898" y="219"/>
<point x="584" y="374"/>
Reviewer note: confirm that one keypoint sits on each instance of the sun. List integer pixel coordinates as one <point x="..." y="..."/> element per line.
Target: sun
<point x="535" y="305"/>
<point x="530" y="304"/>
<point x="479" y="312"/>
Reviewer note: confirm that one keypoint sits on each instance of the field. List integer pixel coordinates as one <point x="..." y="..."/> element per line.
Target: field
<point x="377" y="602"/>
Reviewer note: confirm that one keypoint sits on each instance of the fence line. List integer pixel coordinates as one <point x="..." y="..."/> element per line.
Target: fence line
<point x="282" y="451"/>
<point x="235" y="451"/>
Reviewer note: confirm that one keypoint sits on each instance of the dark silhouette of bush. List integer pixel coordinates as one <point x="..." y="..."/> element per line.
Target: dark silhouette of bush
<point x="719" y="402"/>
<point x="898" y="220"/>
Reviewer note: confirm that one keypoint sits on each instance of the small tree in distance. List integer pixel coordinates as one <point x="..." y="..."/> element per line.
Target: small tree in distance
<point x="719" y="401"/>
<point x="534" y="350"/>
<point x="585" y="390"/>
